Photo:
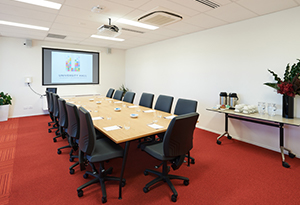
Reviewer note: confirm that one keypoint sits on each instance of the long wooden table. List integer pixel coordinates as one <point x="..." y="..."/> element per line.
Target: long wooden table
<point x="274" y="121"/>
<point x="100" y="106"/>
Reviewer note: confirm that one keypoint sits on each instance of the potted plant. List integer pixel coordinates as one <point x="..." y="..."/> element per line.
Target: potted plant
<point x="289" y="87"/>
<point x="124" y="89"/>
<point x="5" y="101"/>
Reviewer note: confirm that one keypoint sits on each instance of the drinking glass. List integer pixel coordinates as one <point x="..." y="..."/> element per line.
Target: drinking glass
<point x="272" y="109"/>
<point x="261" y="107"/>
<point x="127" y="125"/>
<point x="155" y="119"/>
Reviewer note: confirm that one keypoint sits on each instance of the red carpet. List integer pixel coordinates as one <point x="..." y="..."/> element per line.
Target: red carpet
<point x="231" y="173"/>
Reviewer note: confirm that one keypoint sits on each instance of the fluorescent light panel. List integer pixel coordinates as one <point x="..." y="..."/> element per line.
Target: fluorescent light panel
<point x="107" y="38"/>
<point x="137" y="24"/>
<point x="8" y="23"/>
<point x="44" y="3"/>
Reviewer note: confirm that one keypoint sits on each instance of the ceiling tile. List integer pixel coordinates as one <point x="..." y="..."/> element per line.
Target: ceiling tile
<point x="231" y="13"/>
<point x="205" y="21"/>
<point x="170" y="6"/>
<point x="266" y="6"/>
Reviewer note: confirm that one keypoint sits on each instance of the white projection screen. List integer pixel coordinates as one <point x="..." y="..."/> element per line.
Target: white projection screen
<point x="69" y="67"/>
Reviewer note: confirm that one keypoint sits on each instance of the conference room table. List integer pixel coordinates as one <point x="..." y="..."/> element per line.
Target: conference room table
<point x="113" y="117"/>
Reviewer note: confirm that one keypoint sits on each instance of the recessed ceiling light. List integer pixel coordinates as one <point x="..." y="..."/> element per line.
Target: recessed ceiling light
<point x="43" y="3"/>
<point x="8" y="23"/>
<point x="107" y="38"/>
<point x="138" y="24"/>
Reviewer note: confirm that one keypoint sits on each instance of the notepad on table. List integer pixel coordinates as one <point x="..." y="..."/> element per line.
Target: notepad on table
<point x="170" y="117"/>
<point x="147" y="111"/>
<point x="133" y="106"/>
<point x="155" y="126"/>
<point x="97" y="118"/>
<point x="115" y="127"/>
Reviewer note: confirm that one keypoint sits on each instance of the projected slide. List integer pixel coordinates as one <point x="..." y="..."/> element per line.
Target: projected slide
<point x="71" y="67"/>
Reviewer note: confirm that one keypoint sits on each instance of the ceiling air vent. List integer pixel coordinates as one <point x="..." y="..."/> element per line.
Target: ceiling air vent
<point x="209" y="3"/>
<point x="52" y="35"/>
<point x="160" y="18"/>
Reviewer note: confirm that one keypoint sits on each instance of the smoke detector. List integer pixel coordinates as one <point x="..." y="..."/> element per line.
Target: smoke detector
<point x="109" y="30"/>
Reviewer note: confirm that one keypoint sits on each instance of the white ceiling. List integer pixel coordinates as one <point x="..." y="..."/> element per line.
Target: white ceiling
<point x="78" y="23"/>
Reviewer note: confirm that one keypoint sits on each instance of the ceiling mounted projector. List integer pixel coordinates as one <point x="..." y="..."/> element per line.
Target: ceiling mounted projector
<point x="109" y="30"/>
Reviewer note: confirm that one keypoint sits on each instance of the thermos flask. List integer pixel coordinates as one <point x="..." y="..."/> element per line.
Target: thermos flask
<point x="223" y="98"/>
<point x="233" y="99"/>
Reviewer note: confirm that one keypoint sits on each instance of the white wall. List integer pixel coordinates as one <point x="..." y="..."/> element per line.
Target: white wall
<point x="232" y="58"/>
<point x="18" y="61"/>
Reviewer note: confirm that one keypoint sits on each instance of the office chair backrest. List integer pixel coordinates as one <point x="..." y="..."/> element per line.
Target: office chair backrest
<point x="63" y="118"/>
<point x="48" y="99"/>
<point x="55" y="105"/>
<point x="110" y="92"/>
<point x="118" y="95"/>
<point x="146" y="100"/>
<point x="51" y="109"/>
<point x="87" y="136"/>
<point x="164" y="103"/>
<point x="73" y="120"/>
<point x="184" y="106"/>
<point x="178" y="139"/>
<point x="129" y="97"/>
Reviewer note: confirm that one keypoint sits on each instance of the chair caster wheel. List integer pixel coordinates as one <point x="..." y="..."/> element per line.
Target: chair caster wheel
<point x="104" y="200"/>
<point x="123" y="183"/>
<point x="79" y="193"/>
<point x="71" y="159"/>
<point x="174" y="198"/>
<point x="192" y="161"/>
<point x="54" y="140"/>
<point x="291" y="155"/>
<point x="58" y="151"/>
<point x="145" y="173"/>
<point x="49" y="124"/>
<point x="219" y="142"/>
<point x="186" y="182"/>
<point x="229" y="137"/>
<point x="85" y="176"/>
<point x="72" y="171"/>
<point x="285" y="164"/>
<point x="145" y="189"/>
<point x="49" y="131"/>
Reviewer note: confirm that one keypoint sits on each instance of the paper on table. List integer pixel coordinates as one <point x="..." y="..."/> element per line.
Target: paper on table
<point x="115" y="127"/>
<point x="97" y="118"/>
<point x="170" y="117"/>
<point x="155" y="126"/>
<point x="118" y="102"/>
<point x="149" y="111"/>
<point x="133" y="106"/>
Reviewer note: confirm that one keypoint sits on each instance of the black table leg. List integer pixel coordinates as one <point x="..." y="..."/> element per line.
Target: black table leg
<point x="226" y="130"/>
<point x="123" y="167"/>
<point x="282" y="148"/>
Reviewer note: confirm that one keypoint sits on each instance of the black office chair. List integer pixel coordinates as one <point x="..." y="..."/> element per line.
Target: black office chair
<point x="99" y="150"/>
<point x="184" y="106"/>
<point x="63" y="123"/>
<point x="146" y="100"/>
<point x="129" y="97"/>
<point x="110" y="92"/>
<point x="51" y="110"/>
<point x="164" y="103"/>
<point x="173" y="148"/>
<point x="73" y="132"/>
<point x="118" y="95"/>
<point x="56" y="115"/>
